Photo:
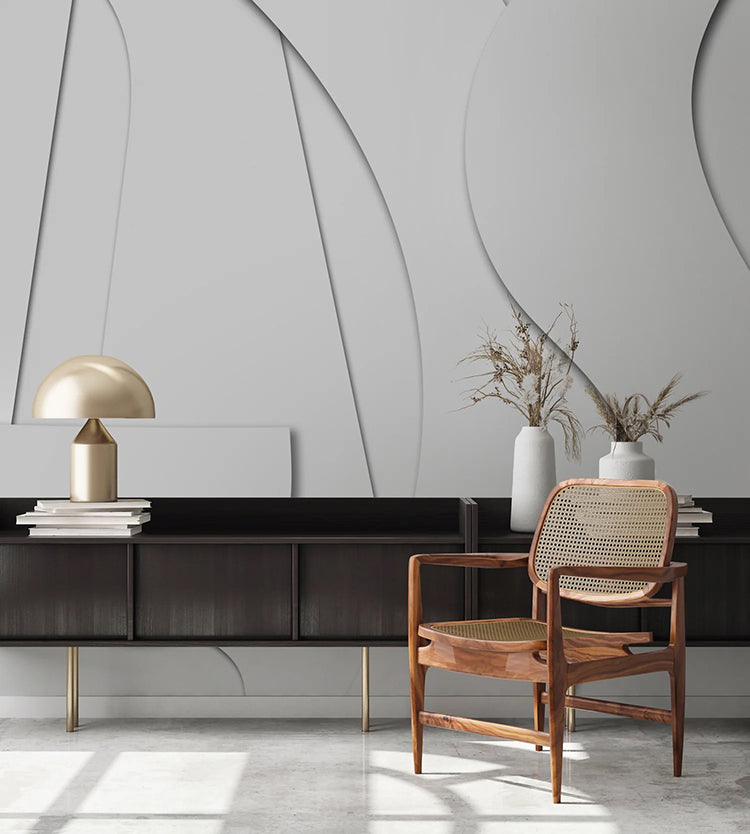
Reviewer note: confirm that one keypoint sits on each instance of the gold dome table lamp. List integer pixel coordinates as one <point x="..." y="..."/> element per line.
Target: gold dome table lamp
<point x="93" y="387"/>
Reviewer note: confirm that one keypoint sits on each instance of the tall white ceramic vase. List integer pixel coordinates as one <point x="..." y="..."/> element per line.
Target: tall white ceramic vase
<point x="627" y="461"/>
<point x="533" y="477"/>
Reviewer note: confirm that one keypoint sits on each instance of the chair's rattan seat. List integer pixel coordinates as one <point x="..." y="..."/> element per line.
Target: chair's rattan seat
<point x="505" y="631"/>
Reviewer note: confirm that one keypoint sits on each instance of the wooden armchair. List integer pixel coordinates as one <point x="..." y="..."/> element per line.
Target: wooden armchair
<point x="606" y="543"/>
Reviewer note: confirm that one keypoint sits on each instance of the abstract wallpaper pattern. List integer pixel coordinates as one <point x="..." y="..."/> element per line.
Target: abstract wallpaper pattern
<point x="294" y="217"/>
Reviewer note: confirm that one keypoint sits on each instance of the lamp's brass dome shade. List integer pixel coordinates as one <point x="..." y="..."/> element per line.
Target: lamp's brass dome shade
<point x="93" y="386"/>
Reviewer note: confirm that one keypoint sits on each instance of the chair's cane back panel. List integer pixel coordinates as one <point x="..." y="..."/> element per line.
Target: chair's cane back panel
<point x="605" y="526"/>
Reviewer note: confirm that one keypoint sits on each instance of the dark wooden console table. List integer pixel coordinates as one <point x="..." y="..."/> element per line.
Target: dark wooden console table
<point x="716" y="587"/>
<point x="233" y="572"/>
<point x="316" y="572"/>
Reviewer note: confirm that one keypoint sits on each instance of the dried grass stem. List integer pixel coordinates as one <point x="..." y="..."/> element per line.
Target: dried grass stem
<point x="531" y="374"/>
<point x="627" y="420"/>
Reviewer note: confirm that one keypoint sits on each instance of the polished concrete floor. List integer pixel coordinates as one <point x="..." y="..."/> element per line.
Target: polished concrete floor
<point x="210" y="776"/>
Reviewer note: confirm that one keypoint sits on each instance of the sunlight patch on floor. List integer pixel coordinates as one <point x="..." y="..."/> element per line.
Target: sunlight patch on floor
<point x="17" y="826"/>
<point x="433" y="763"/>
<point x="535" y="825"/>
<point x="391" y="794"/>
<point x="167" y="783"/>
<point x="483" y="785"/>
<point x="32" y="780"/>
<point x="149" y="826"/>
<point x="412" y="827"/>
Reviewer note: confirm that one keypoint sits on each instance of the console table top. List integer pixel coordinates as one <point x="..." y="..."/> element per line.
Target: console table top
<point x="347" y="521"/>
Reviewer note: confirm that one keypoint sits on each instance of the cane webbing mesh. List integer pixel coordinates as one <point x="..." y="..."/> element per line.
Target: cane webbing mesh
<point x="505" y="631"/>
<point x="589" y="524"/>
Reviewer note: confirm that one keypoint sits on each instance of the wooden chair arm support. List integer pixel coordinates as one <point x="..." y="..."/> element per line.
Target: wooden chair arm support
<point x="473" y="560"/>
<point x="631" y="574"/>
<point x="461" y="560"/>
<point x="670" y="573"/>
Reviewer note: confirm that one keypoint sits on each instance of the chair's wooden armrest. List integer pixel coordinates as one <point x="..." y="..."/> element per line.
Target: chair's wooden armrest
<point x="474" y="560"/>
<point x="632" y="574"/>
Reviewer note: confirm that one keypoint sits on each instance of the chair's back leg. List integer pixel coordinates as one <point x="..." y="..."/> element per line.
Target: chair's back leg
<point x="538" y="711"/>
<point x="677" y="676"/>
<point x="538" y="612"/>
<point x="417" y="676"/>
<point x="677" y="681"/>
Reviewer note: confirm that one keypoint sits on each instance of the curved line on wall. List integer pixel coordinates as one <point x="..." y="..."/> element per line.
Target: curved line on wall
<point x="324" y="245"/>
<point x="511" y="298"/>
<point x="40" y="228"/>
<point x="379" y="192"/>
<point x="341" y="289"/>
<point x="234" y="665"/>
<point x="708" y="35"/>
<point x="122" y="177"/>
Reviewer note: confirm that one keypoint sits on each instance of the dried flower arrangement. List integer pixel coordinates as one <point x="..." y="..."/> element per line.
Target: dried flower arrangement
<point x="636" y="416"/>
<point x="532" y="375"/>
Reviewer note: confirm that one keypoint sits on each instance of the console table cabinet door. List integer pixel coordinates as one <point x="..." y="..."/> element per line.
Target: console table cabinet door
<point x="507" y="593"/>
<point x="209" y="591"/>
<point x="503" y="593"/>
<point x="67" y="590"/>
<point x="716" y="590"/>
<point x="359" y="591"/>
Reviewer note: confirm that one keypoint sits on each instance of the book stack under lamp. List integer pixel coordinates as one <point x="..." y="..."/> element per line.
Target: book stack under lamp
<point x="115" y="519"/>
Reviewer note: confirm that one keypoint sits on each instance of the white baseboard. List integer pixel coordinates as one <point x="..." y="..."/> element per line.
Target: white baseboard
<point x="19" y="706"/>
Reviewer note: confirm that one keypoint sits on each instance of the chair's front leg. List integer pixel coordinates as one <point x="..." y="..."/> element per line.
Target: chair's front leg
<point x="677" y="675"/>
<point x="417" y="672"/>
<point x="557" y="669"/>
<point x="556" y="732"/>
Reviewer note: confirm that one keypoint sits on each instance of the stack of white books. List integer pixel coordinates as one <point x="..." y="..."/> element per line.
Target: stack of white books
<point x="689" y="517"/>
<point x="76" y="518"/>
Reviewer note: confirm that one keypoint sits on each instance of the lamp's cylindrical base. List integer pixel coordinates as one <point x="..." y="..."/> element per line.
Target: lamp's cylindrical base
<point x="93" y="464"/>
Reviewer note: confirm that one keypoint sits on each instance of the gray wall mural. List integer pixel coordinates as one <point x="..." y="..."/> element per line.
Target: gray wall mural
<point x="294" y="217"/>
<point x="300" y="215"/>
<point x="584" y="185"/>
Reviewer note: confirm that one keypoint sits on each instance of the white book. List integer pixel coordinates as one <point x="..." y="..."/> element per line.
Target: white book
<point x="685" y="501"/>
<point x="94" y="520"/>
<point x="81" y="510"/>
<point x="687" y="532"/>
<point x="699" y="517"/>
<point x="79" y="532"/>
<point x="60" y="505"/>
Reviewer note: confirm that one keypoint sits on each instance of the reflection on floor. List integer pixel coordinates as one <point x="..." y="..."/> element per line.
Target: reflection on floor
<point x="210" y="776"/>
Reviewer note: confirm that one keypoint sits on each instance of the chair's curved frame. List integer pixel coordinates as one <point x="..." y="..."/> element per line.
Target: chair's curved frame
<point x="555" y="664"/>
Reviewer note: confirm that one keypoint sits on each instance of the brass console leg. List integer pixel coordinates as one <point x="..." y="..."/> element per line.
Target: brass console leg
<point x="570" y="713"/>
<point x="75" y="686"/>
<point x="365" y="689"/>
<point x="70" y="692"/>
